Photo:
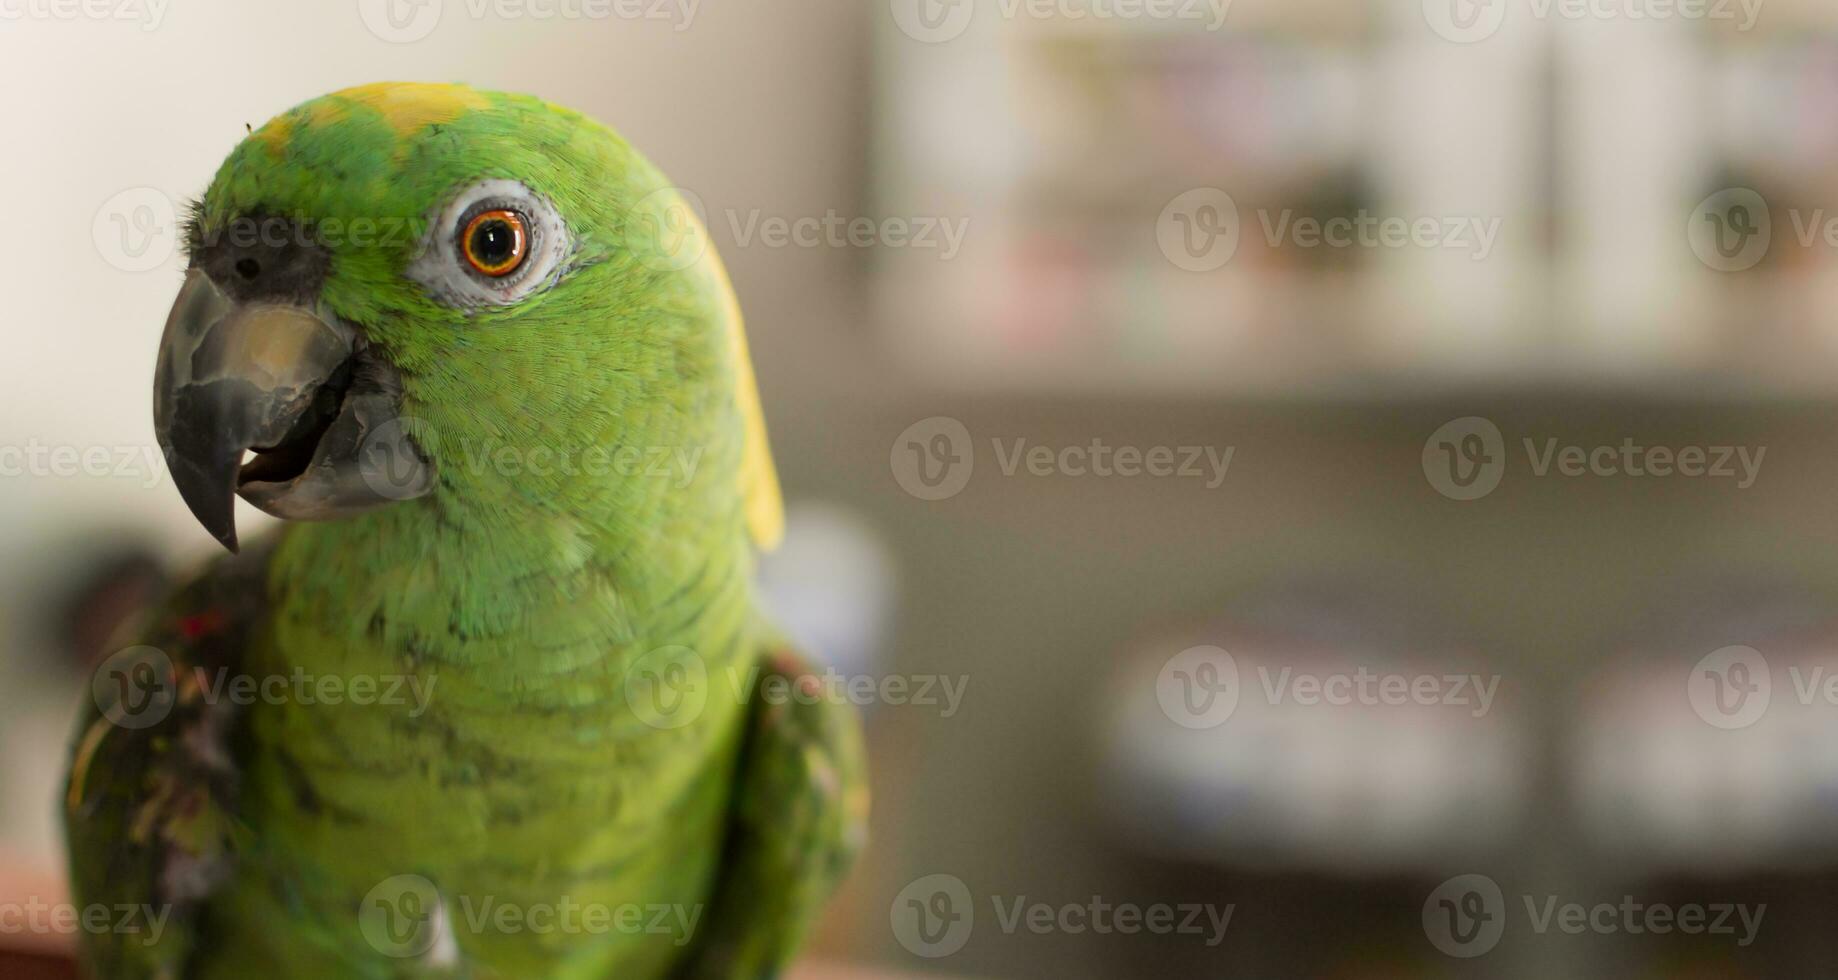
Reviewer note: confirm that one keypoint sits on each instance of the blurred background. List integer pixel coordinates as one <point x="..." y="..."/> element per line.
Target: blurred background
<point x="1343" y="487"/>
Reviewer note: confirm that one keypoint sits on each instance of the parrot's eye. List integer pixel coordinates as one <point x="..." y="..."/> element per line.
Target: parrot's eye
<point x="492" y="244"/>
<point x="495" y="242"/>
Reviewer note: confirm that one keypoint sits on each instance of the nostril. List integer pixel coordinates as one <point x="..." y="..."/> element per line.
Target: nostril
<point x="248" y="268"/>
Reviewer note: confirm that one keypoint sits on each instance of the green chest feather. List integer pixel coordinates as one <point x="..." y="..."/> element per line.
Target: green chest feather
<point x="571" y="774"/>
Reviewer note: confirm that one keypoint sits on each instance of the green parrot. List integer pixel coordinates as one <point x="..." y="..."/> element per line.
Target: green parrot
<point x="495" y="700"/>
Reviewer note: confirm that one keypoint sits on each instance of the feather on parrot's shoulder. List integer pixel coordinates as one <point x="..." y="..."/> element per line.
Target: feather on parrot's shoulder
<point x="150" y="802"/>
<point x="800" y="817"/>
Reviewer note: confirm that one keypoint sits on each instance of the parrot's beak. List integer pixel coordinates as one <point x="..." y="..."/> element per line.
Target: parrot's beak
<point x="297" y="387"/>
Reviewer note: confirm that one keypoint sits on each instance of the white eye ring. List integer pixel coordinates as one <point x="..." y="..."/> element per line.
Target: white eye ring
<point x="450" y="278"/>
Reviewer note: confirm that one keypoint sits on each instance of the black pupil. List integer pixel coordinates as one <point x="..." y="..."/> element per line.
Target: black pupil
<point x="494" y="242"/>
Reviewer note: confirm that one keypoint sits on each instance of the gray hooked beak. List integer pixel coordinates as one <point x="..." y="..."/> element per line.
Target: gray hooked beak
<point x="300" y="389"/>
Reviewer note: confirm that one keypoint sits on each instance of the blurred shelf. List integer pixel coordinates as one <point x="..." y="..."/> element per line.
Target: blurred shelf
<point x="1064" y="146"/>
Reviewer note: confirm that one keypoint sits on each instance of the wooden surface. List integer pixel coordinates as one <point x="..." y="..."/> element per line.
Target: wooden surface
<point x="31" y="966"/>
<point x="22" y="882"/>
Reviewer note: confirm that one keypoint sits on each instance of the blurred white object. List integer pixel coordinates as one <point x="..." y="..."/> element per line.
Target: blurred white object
<point x="1285" y="783"/>
<point x="1660" y="786"/>
<point x="830" y="585"/>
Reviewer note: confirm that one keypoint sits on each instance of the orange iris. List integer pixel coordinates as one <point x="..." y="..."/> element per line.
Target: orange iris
<point x="494" y="242"/>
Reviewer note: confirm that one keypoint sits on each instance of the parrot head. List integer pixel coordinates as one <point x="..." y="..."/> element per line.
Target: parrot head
<point x="392" y="286"/>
